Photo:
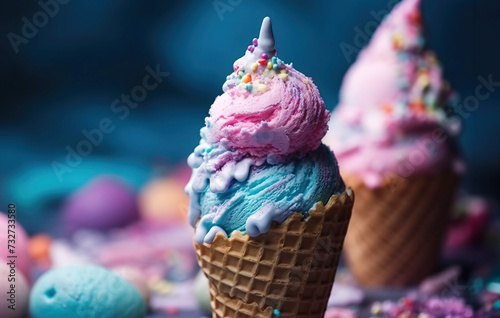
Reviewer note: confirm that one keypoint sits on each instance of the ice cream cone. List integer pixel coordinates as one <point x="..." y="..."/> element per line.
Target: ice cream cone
<point x="290" y="268"/>
<point x="397" y="229"/>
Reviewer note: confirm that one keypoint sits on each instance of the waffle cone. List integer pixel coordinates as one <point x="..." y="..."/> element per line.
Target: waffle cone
<point x="290" y="268"/>
<point x="397" y="229"/>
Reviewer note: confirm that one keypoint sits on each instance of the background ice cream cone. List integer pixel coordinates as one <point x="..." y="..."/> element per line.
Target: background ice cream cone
<point x="290" y="268"/>
<point x="397" y="229"/>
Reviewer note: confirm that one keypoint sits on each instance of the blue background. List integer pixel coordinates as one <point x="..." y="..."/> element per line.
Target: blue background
<point x="66" y="77"/>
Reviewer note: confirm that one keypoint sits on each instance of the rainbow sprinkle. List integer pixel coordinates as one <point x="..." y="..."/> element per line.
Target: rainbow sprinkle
<point x="260" y="64"/>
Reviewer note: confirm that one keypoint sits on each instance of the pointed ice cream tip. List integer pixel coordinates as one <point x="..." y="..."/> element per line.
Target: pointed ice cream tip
<point x="401" y="31"/>
<point x="405" y="12"/>
<point x="260" y="57"/>
<point x="266" y="37"/>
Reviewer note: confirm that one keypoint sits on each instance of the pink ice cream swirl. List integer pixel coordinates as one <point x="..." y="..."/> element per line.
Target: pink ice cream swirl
<point x="268" y="109"/>
<point x="287" y="117"/>
<point x="392" y="118"/>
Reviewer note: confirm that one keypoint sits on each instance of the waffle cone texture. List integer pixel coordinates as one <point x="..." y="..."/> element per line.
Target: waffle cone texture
<point x="396" y="231"/>
<point x="290" y="268"/>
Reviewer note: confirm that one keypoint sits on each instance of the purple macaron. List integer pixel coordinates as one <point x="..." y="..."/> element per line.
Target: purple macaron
<point x="103" y="203"/>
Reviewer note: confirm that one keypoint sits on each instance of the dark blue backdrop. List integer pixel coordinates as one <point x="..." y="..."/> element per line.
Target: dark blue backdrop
<point x="64" y="79"/>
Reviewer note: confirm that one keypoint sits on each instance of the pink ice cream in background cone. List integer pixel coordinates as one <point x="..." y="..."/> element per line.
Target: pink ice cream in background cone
<point x="392" y="117"/>
<point x="393" y="134"/>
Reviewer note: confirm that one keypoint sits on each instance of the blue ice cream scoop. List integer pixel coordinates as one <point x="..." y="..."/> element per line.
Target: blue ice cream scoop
<point x="271" y="192"/>
<point x="85" y="291"/>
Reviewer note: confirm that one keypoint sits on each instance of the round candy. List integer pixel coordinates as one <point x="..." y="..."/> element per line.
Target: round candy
<point x="39" y="248"/>
<point x="135" y="277"/>
<point x="20" y="244"/>
<point x="344" y="295"/>
<point x="103" y="203"/>
<point x="14" y="293"/>
<point x="85" y="291"/>
<point x="163" y="200"/>
<point x="336" y="312"/>
<point x="202" y="293"/>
